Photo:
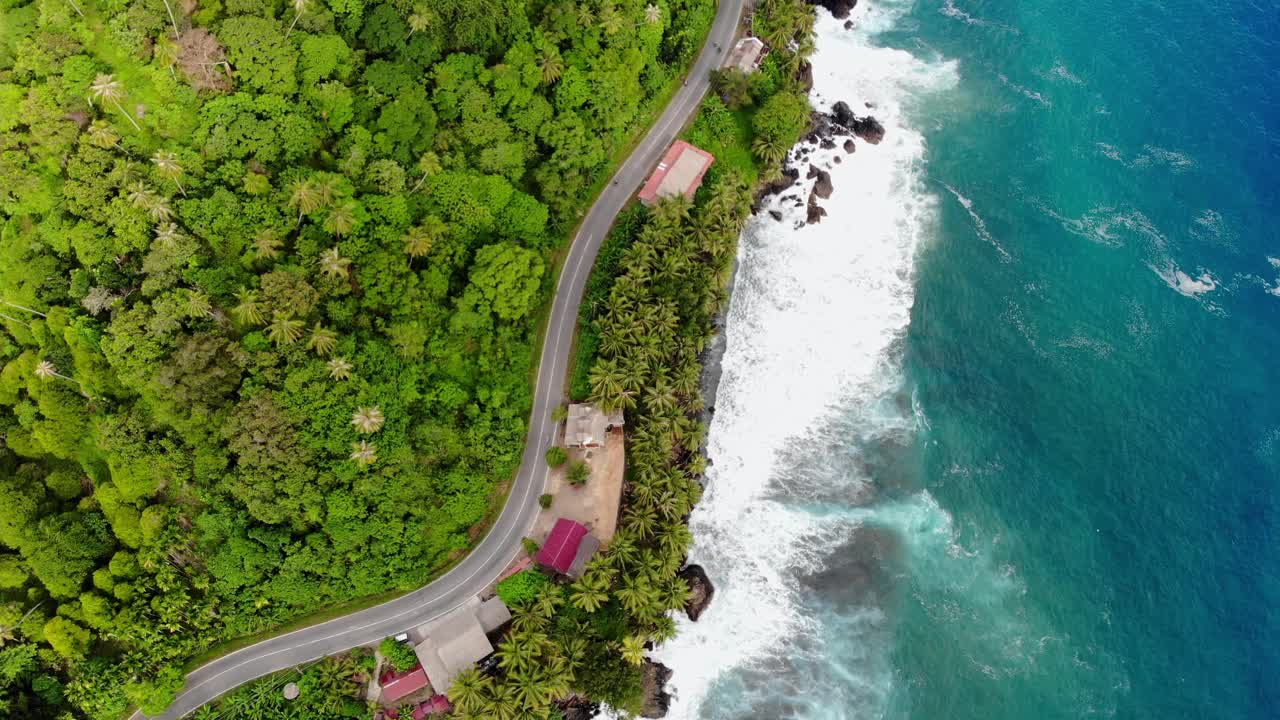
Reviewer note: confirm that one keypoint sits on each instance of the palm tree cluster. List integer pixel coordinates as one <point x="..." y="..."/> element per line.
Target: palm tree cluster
<point x="655" y="323"/>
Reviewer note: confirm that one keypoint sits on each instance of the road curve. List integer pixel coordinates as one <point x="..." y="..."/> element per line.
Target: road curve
<point x="484" y="563"/>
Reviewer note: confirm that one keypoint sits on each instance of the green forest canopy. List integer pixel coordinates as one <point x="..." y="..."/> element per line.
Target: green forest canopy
<point x="269" y="275"/>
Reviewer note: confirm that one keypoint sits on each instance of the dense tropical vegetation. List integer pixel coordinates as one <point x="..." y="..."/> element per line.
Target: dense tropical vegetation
<point x="648" y="313"/>
<point x="269" y="280"/>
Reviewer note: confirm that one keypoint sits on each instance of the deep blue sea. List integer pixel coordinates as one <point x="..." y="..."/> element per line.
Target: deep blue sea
<point x="1000" y="437"/>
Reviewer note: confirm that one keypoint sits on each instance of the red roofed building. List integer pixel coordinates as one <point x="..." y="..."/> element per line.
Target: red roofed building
<point x="397" y="685"/>
<point x="678" y="173"/>
<point x="568" y="548"/>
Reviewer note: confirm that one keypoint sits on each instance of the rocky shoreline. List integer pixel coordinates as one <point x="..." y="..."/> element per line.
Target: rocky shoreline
<point x="825" y="132"/>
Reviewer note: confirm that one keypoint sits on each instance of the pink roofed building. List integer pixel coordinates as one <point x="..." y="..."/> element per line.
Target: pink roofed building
<point x="678" y="173"/>
<point x="398" y="685"/>
<point x="568" y="548"/>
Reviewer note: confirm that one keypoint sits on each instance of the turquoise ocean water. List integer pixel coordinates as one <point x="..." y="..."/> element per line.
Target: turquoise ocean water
<point x="1000" y="437"/>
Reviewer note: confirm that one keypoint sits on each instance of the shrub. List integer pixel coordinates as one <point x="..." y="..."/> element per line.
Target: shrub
<point x="531" y="546"/>
<point x="559" y="413"/>
<point x="579" y="473"/>
<point x="398" y="655"/>
<point x="545" y="500"/>
<point x="556" y="456"/>
<point x="522" y="587"/>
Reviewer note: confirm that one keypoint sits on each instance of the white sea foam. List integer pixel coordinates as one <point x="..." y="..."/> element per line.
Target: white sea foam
<point x="814" y="314"/>
<point x="978" y="223"/>
<point x="1025" y="92"/>
<point x="1275" y="265"/>
<point x="1182" y="282"/>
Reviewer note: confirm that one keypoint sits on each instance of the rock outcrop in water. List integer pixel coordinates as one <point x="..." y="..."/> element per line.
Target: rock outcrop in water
<point x="867" y="128"/>
<point x="839" y="9"/>
<point x="822" y="188"/>
<point x="700" y="588"/>
<point x="824" y="131"/>
<point x="654" y="687"/>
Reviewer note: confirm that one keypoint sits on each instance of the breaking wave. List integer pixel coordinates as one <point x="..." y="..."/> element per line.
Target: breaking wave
<point x="812" y="424"/>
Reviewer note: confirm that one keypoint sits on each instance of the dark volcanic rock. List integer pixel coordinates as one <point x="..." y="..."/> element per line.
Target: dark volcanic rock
<point x="789" y="176"/>
<point x="827" y="144"/>
<point x="819" y="128"/>
<point x="839" y="8"/>
<point x="822" y="188"/>
<point x="816" y="211"/>
<point x="849" y="147"/>
<point x="577" y="708"/>
<point x="869" y="129"/>
<point x="837" y="159"/>
<point x="656" y="698"/>
<point x="848" y="24"/>
<point x="700" y="588"/>
<point x="805" y="76"/>
<point x="776" y="216"/>
<point x="843" y="114"/>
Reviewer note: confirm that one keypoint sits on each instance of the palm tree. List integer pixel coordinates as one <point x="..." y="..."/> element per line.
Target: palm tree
<point x="501" y="703"/>
<point x="198" y="304"/>
<point x="139" y="195"/>
<point x="306" y="196"/>
<point x="332" y="264"/>
<point x="469" y="689"/>
<point x="167" y="166"/>
<point x="248" y="311"/>
<point x="428" y="165"/>
<point x="421" y="238"/>
<point x="652" y="14"/>
<point x="341" y="219"/>
<point x="550" y="64"/>
<point x="46" y="370"/>
<point x="589" y="593"/>
<point x="632" y="649"/>
<point x="610" y="20"/>
<point x="364" y="453"/>
<point x="167" y="234"/>
<point x="105" y="87"/>
<point x="267" y="244"/>
<point x="531" y="688"/>
<point x="518" y="652"/>
<point x="606" y="381"/>
<point x="322" y="340"/>
<point x="769" y="150"/>
<point x="641" y="520"/>
<point x="368" y="420"/>
<point x="548" y="600"/>
<point x="339" y="368"/>
<point x="102" y="135"/>
<point x="284" y="329"/>
<point x="675" y="594"/>
<point x="299" y="6"/>
<point x="420" y="19"/>
<point x="634" y="595"/>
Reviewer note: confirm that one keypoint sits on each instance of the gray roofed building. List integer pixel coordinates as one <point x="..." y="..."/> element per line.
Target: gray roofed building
<point x="456" y="641"/>
<point x="586" y="550"/>
<point x="586" y="425"/>
<point x="493" y="614"/>
<point x="746" y="54"/>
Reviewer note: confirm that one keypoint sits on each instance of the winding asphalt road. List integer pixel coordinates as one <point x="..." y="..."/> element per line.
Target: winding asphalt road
<point x="483" y="564"/>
